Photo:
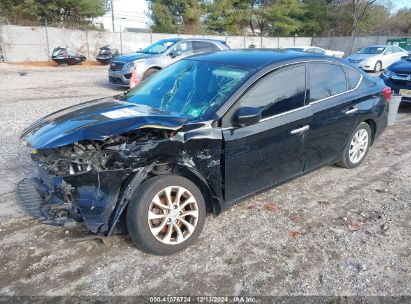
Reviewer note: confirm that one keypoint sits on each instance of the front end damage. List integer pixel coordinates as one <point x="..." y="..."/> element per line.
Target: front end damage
<point x="90" y="157"/>
<point x="92" y="181"/>
<point x="82" y="182"/>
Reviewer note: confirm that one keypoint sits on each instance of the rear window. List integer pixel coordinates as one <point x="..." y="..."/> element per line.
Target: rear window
<point x="326" y="80"/>
<point x="204" y="47"/>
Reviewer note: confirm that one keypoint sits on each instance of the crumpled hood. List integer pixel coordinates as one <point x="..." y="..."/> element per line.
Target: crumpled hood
<point x="131" y="57"/>
<point x="401" y="67"/>
<point x="96" y="120"/>
<point x="361" y="56"/>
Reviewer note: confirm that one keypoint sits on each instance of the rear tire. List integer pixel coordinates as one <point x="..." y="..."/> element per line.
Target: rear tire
<point x="357" y="147"/>
<point x="166" y="214"/>
<point x="149" y="73"/>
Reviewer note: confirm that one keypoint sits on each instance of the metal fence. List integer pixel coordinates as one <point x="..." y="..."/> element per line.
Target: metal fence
<point x="35" y="43"/>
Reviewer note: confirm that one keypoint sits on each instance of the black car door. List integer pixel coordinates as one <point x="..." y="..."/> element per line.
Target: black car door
<point x="267" y="152"/>
<point x="335" y="111"/>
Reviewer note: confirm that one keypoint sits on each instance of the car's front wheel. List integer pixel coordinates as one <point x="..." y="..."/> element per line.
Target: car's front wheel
<point x="357" y="147"/>
<point x="149" y="73"/>
<point x="378" y="66"/>
<point x="166" y="214"/>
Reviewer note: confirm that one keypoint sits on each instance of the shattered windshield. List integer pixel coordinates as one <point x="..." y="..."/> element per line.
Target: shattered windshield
<point x="159" y="47"/>
<point x="189" y="88"/>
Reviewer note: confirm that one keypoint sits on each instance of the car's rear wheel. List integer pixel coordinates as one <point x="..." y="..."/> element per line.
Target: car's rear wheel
<point x="357" y="147"/>
<point x="378" y="66"/>
<point x="166" y="214"/>
<point x="149" y="73"/>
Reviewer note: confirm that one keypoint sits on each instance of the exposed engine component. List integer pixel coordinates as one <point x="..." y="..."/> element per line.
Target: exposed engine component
<point x="110" y="154"/>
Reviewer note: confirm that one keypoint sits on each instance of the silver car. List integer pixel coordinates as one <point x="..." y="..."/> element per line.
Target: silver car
<point x="157" y="56"/>
<point x="377" y="57"/>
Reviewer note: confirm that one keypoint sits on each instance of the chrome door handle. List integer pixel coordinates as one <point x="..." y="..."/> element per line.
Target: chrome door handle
<point x="352" y="111"/>
<point x="300" y="130"/>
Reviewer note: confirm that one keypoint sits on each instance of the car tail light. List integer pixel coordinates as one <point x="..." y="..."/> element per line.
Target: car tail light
<point x="134" y="81"/>
<point x="387" y="93"/>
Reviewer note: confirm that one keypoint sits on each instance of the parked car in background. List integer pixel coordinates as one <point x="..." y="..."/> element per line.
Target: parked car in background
<point x="196" y="138"/>
<point x="157" y="56"/>
<point x="398" y="77"/>
<point x="376" y="57"/>
<point x="317" y="50"/>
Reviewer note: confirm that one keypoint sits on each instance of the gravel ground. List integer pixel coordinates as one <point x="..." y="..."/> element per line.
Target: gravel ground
<point x="332" y="232"/>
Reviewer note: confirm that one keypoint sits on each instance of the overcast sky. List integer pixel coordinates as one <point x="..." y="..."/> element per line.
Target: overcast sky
<point x="127" y="13"/>
<point x="133" y="13"/>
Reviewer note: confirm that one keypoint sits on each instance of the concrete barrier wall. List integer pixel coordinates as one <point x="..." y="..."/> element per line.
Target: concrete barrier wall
<point x="25" y="43"/>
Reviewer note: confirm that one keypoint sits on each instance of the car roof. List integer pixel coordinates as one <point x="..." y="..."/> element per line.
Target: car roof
<point x="255" y="58"/>
<point x="175" y="39"/>
<point x="202" y="39"/>
<point x="303" y="47"/>
<point x="379" y="45"/>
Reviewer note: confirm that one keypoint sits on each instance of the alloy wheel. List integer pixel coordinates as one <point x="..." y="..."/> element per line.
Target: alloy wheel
<point x="358" y="146"/>
<point x="173" y="215"/>
<point x="378" y="66"/>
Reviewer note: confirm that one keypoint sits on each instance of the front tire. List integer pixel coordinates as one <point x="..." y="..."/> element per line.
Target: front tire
<point x="377" y="67"/>
<point x="149" y="73"/>
<point x="166" y="214"/>
<point x="357" y="147"/>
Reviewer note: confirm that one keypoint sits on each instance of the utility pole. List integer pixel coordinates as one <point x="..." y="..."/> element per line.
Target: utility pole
<point x="112" y="13"/>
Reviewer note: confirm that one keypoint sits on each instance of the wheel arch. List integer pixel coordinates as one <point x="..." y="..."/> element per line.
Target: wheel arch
<point x="154" y="67"/>
<point x="213" y="205"/>
<point x="373" y="127"/>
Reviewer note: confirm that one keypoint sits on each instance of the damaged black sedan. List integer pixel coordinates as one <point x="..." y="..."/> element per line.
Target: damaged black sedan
<point x="197" y="137"/>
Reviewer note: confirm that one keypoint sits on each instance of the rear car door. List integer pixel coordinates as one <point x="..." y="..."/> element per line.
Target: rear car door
<point x="389" y="56"/>
<point x="399" y="52"/>
<point x="335" y="111"/>
<point x="269" y="151"/>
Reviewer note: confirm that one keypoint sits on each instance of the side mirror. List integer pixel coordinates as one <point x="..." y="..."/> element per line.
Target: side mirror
<point x="174" y="54"/>
<point x="247" y="116"/>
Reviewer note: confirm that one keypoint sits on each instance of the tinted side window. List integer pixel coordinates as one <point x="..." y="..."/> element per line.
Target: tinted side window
<point x="278" y="92"/>
<point x="352" y="78"/>
<point x="398" y="50"/>
<point x="319" y="51"/>
<point x="203" y="47"/>
<point x="185" y="47"/>
<point x="389" y="50"/>
<point x="326" y="80"/>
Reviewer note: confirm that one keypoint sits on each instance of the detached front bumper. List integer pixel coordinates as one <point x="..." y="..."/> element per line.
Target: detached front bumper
<point x="32" y="198"/>
<point x="89" y="197"/>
